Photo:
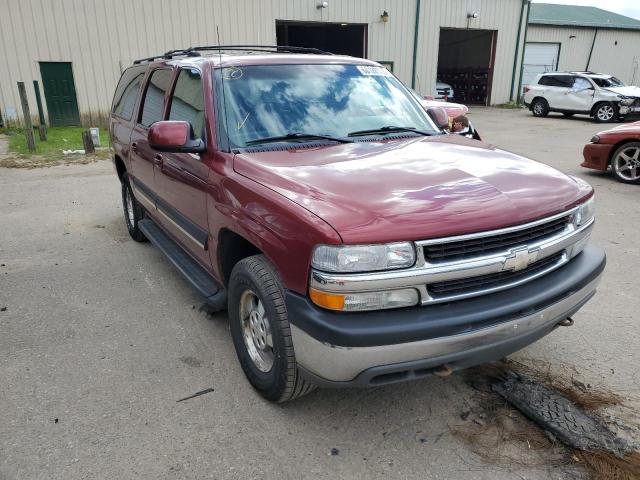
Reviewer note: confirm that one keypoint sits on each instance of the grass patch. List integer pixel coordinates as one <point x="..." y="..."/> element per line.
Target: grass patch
<point x="58" y="139"/>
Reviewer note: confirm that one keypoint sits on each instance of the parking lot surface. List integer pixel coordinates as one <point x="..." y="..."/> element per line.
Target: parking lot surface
<point x="101" y="337"/>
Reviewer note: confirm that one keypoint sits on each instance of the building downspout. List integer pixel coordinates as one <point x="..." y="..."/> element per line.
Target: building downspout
<point x="526" y="31"/>
<point x="515" y="56"/>
<point x="595" y="35"/>
<point x="415" y="45"/>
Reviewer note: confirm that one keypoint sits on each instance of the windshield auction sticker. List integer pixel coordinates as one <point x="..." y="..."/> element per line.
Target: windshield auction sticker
<point x="373" y="70"/>
<point x="231" y="73"/>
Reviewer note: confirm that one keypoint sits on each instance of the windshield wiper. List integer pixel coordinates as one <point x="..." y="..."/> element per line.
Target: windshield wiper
<point x="297" y="136"/>
<point x="388" y="129"/>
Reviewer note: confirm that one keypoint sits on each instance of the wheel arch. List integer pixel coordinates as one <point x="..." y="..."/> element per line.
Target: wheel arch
<point x="121" y="168"/>
<point x="232" y="248"/>
<point x="538" y="97"/>
<point x="597" y="104"/>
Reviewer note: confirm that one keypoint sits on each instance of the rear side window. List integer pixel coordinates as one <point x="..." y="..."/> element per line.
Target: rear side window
<point x="545" y="80"/>
<point x="187" y="103"/>
<point x="565" y="81"/>
<point x="154" y="97"/>
<point x="124" y="99"/>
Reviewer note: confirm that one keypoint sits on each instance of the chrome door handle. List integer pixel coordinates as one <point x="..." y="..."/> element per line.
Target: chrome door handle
<point x="157" y="159"/>
<point x="134" y="146"/>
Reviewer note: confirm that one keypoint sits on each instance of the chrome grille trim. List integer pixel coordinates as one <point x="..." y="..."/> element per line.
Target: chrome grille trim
<point x="500" y="231"/>
<point x="424" y="273"/>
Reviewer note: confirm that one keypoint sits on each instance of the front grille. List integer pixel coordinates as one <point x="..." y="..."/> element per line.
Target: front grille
<point x="465" y="286"/>
<point x="475" y="247"/>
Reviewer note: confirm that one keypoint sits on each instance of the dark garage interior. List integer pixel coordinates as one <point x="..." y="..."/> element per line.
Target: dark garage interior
<point x="339" y="38"/>
<point x="465" y="61"/>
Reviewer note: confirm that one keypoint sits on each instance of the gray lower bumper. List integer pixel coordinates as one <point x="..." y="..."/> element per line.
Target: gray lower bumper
<point x="335" y="366"/>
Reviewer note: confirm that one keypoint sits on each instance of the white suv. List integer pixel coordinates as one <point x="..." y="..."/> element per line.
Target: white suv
<point x="603" y="97"/>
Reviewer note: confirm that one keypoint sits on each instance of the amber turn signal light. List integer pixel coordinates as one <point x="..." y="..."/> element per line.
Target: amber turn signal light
<point x="327" y="300"/>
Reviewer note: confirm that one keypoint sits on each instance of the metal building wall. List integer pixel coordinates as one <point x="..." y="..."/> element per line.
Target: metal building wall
<point x="101" y="37"/>
<point x="620" y="60"/>
<point x="575" y="44"/>
<point x="503" y="16"/>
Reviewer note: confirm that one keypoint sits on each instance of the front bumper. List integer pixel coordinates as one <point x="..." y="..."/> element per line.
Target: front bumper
<point x="596" y="156"/>
<point x="373" y="348"/>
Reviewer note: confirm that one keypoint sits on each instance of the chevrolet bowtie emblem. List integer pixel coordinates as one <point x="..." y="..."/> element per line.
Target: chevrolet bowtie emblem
<point x="520" y="258"/>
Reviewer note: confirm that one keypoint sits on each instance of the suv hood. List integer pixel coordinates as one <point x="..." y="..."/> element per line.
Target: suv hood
<point x="626" y="91"/>
<point x="412" y="189"/>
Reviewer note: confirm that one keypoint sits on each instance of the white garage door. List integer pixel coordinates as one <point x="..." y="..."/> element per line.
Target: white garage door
<point x="539" y="58"/>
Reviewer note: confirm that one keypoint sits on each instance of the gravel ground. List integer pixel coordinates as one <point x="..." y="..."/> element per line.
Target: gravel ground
<point x="101" y="337"/>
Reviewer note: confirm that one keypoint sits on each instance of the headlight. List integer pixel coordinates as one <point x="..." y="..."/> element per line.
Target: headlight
<point x="585" y="213"/>
<point x="363" y="301"/>
<point x="595" y="139"/>
<point x="363" y="258"/>
<point x="627" y="101"/>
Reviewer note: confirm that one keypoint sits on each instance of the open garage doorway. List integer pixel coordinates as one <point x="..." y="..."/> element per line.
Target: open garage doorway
<point x="465" y="65"/>
<point x="339" y="38"/>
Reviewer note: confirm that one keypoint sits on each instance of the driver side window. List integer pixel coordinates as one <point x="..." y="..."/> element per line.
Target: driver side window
<point x="187" y="102"/>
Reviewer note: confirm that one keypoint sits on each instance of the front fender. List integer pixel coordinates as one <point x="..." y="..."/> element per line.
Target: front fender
<point x="283" y="230"/>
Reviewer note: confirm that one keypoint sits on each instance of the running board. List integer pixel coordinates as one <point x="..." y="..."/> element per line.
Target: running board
<point x="215" y="295"/>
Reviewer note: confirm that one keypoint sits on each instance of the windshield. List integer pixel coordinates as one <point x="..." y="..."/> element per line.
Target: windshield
<point x="607" y="82"/>
<point x="331" y="100"/>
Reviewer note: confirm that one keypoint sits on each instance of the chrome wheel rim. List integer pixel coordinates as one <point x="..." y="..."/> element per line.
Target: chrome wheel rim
<point x="605" y="113"/>
<point x="627" y="163"/>
<point x="130" y="214"/>
<point x="256" y="331"/>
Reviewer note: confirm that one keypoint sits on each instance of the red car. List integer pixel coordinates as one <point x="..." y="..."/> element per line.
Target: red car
<point x="452" y="109"/>
<point x="619" y="148"/>
<point x="351" y="240"/>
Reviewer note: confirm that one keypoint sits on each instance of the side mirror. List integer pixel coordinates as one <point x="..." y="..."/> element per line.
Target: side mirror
<point x="174" y="136"/>
<point x="439" y="116"/>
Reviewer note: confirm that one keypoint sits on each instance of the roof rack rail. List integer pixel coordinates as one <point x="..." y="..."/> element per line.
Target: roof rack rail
<point x="168" y="55"/>
<point x="194" y="51"/>
<point x="260" y="48"/>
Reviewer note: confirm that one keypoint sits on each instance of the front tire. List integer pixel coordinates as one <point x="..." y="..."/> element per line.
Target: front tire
<point x="625" y="163"/>
<point x="540" y="107"/>
<point x="133" y="212"/>
<point x="261" y="332"/>
<point x="605" y="113"/>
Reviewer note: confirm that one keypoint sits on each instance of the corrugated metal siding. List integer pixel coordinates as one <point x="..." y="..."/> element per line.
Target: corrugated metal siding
<point x="492" y="15"/>
<point x="620" y="60"/>
<point x="573" y="51"/>
<point x="101" y="38"/>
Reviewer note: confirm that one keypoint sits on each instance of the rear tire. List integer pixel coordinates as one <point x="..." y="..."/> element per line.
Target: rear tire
<point x="261" y="332"/>
<point x="540" y="107"/>
<point x="625" y="163"/>
<point x="605" y="112"/>
<point x="133" y="212"/>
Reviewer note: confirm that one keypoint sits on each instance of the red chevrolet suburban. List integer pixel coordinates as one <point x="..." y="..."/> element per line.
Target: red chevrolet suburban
<point x="352" y="241"/>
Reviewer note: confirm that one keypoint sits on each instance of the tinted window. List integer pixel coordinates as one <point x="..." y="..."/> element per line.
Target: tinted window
<point x="565" y="81"/>
<point x="187" y="103"/>
<point x="124" y="99"/>
<point x="607" y="82"/>
<point x="154" y="98"/>
<point x="545" y="80"/>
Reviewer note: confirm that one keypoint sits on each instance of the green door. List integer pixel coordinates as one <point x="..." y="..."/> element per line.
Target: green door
<point x="60" y="93"/>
